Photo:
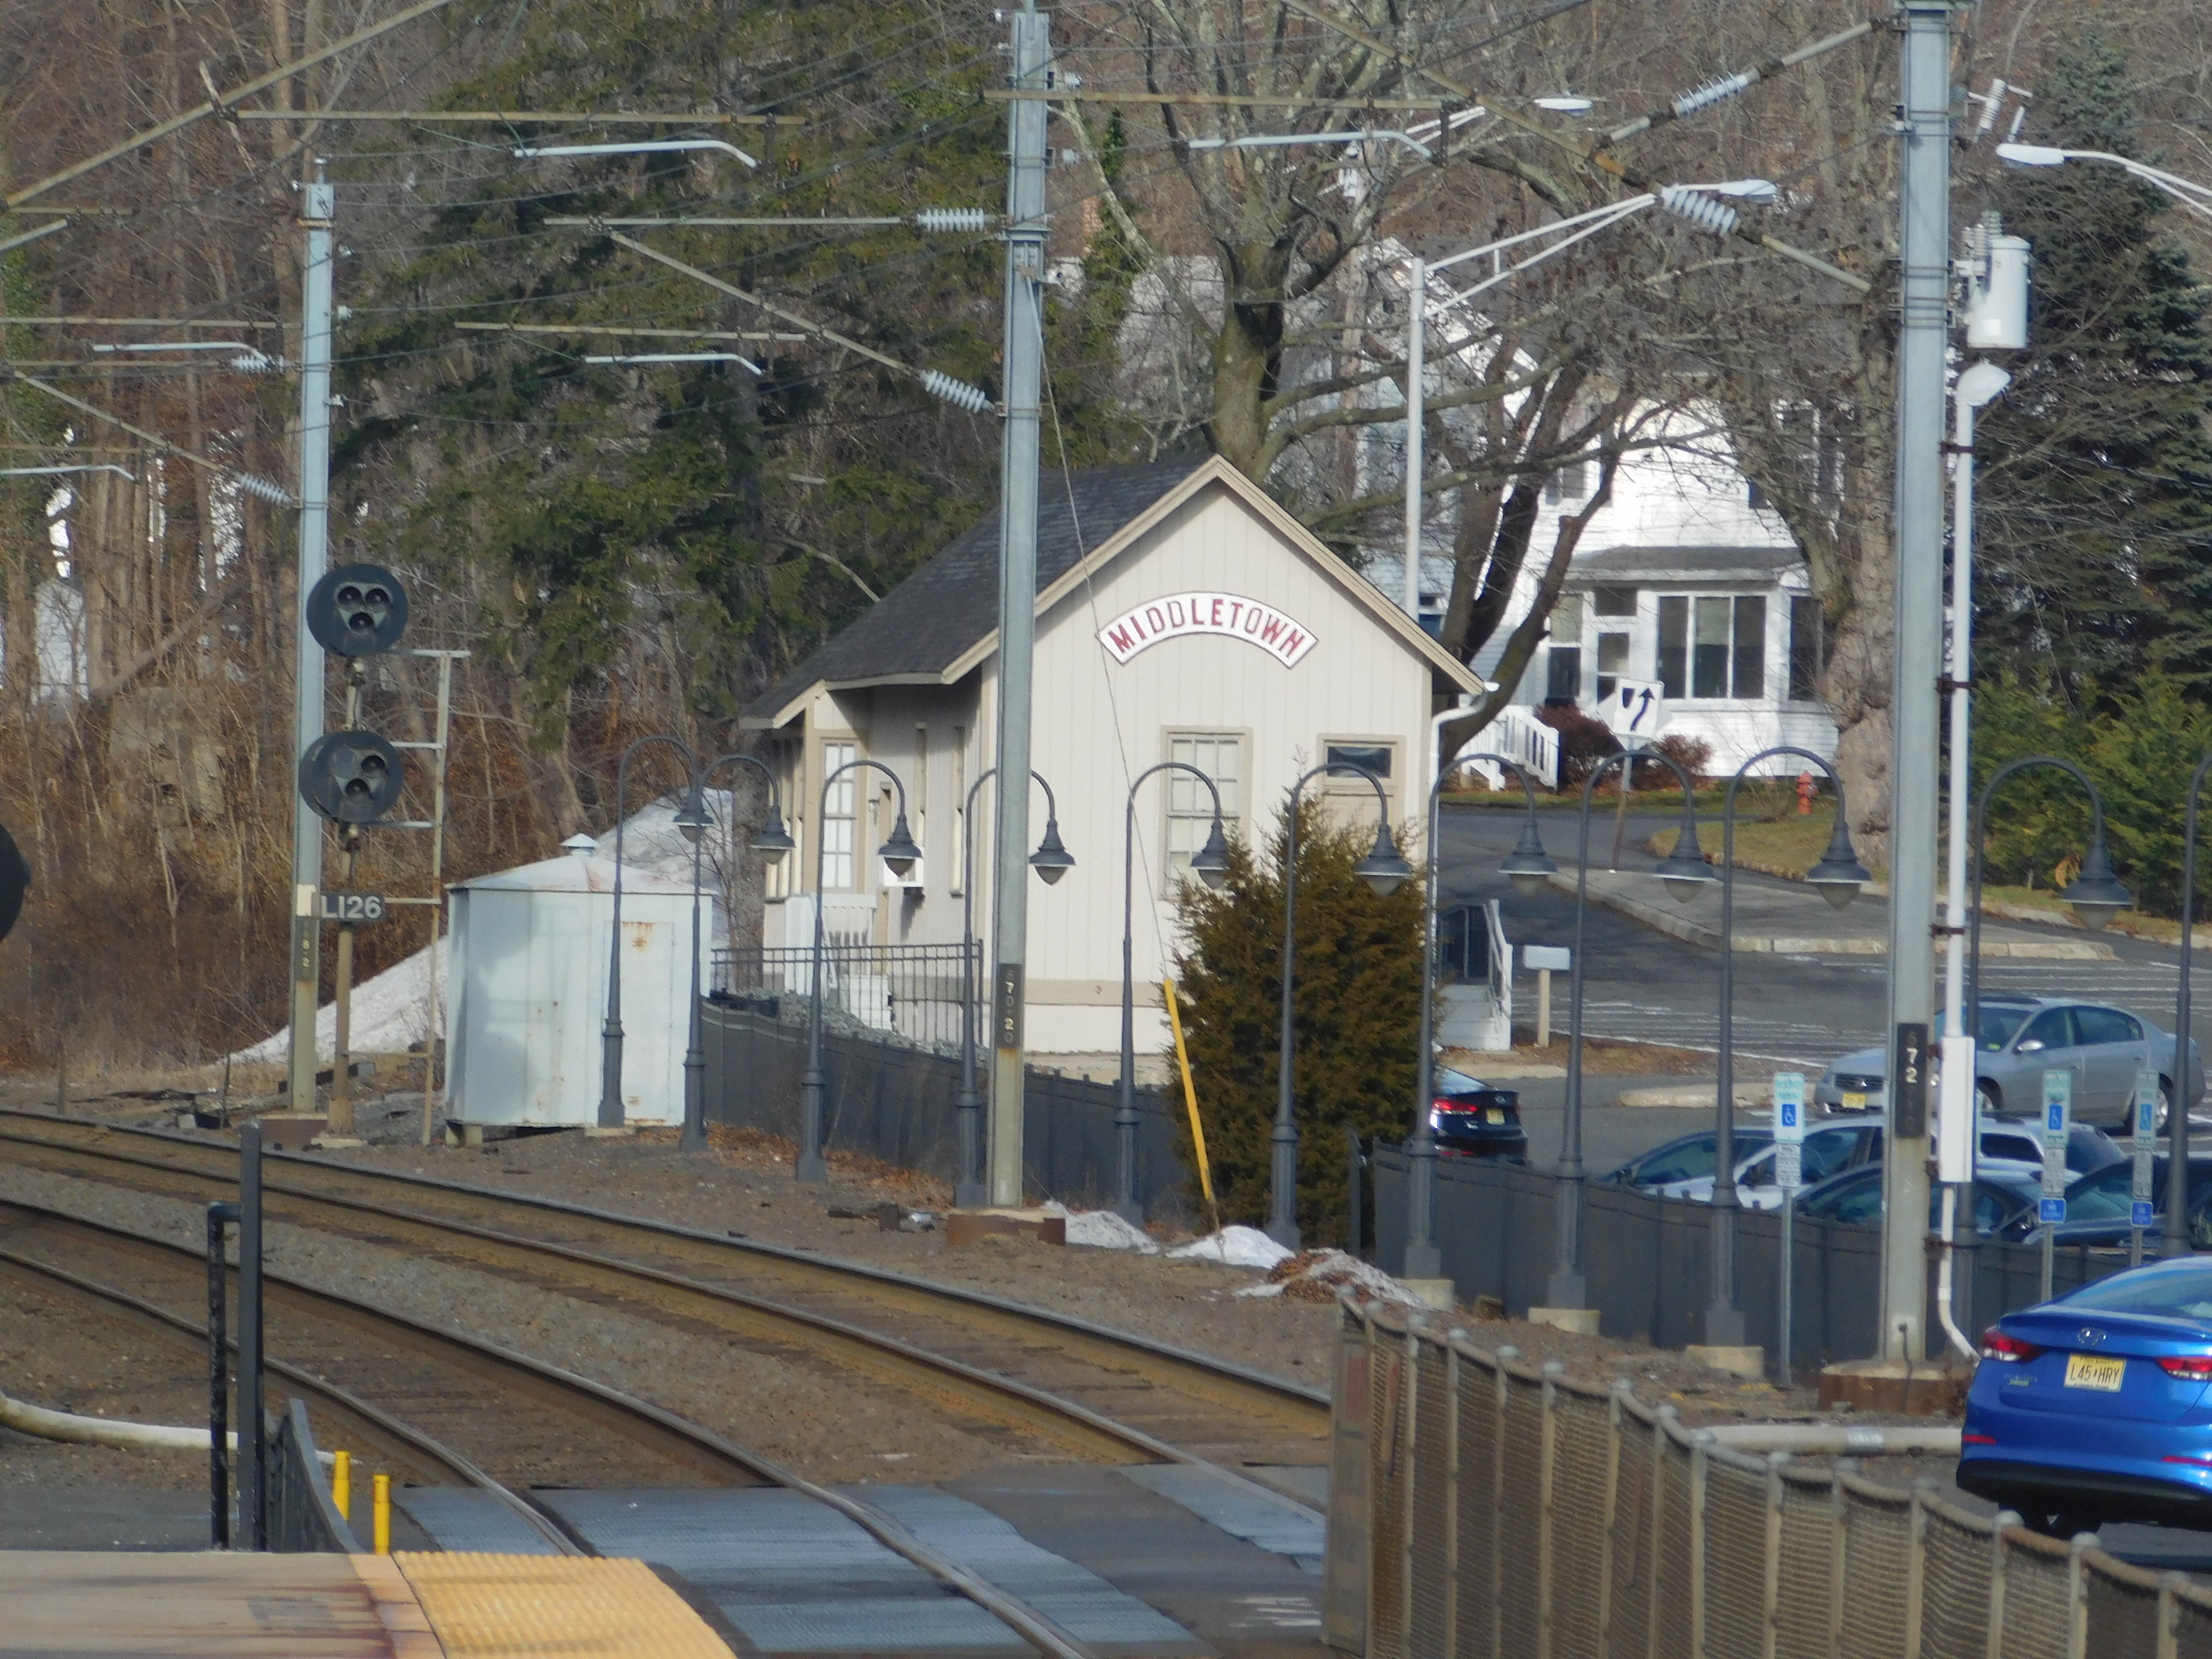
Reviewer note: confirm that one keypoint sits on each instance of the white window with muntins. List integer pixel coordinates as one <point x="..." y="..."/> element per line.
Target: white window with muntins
<point x="1220" y="755"/>
<point x="840" y="818"/>
<point x="1713" y="646"/>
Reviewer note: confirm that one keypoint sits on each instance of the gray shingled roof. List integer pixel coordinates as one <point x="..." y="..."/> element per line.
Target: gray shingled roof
<point x="922" y="626"/>
<point x="1715" y="562"/>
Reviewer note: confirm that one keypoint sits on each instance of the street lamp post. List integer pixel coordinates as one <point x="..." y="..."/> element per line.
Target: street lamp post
<point x="610" y="1034"/>
<point x="2094" y="895"/>
<point x="1684" y="875"/>
<point x="772" y="840"/>
<point x="1051" y="861"/>
<point x="1383" y="870"/>
<point x="2177" y="1117"/>
<point x="1527" y="867"/>
<point x="2187" y="191"/>
<point x="1210" y="864"/>
<point x="1838" y="877"/>
<point x="901" y="855"/>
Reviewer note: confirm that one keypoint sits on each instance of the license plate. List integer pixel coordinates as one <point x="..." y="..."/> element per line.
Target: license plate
<point x="1854" y="1100"/>
<point x="2090" y="1370"/>
<point x="1493" y="1116"/>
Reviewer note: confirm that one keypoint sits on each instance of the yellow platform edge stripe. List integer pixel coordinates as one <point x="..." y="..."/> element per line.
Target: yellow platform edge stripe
<point x="517" y="1607"/>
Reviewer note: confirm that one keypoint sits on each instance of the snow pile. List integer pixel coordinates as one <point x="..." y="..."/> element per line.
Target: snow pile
<point x="391" y="1015"/>
<point x="1317" y="1275"/>
<point x="1103" y="1230"/>
<point x="1238" y="1246"/>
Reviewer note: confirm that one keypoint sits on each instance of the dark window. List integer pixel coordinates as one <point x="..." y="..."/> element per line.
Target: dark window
<point x="1826" y="1155"/>
<point x="2100" y="1025"/>
<point x="1564" y="677"/>
<point x="1372" y="756"/>
<point x="1750" y="647"/>
<point x="1612" y="662"/>
<point x="2050" y="1028"/>
<point x="1857" y="1201"/>
<point x="1709" y="652"/>
<point x="1808" y="647"/>
<point x="1674" y="647"/>
<point x="1757" y="496"/>
<point x="1570" y="482"/>
<point x="1614" y="601"/>
<point x="1690" y="1162"/>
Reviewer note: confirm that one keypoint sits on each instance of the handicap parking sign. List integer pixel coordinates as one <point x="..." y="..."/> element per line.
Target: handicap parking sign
<point x="2140" y="1215"/>
<point x="2051" y="1209"/>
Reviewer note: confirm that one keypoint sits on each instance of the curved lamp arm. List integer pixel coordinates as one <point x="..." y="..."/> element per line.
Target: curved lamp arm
<point x="771" y="838"/>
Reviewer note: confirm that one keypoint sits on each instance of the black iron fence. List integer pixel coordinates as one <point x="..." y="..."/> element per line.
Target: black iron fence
<point x="302" y="1519"/>
<point x="1648" y="1260"/>
<point x="900" y="993"/>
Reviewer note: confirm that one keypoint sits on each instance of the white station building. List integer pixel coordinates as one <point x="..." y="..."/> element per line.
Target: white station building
<point x="1181" y="615"/>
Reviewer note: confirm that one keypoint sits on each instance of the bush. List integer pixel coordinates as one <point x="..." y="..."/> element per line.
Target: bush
<point x="1692" y="755"/>
<point x="1356" y="1017"/>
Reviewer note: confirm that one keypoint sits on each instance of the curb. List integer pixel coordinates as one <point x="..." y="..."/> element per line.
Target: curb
<point x="1678" y="926"/>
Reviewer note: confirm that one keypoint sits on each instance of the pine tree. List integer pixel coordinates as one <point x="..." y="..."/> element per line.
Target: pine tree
<point x="2094" y="546"/>
<point x="1355" y="1017"/>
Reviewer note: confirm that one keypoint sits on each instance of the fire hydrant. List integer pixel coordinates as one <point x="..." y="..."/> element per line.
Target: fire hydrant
<point x="1804" y="794"/>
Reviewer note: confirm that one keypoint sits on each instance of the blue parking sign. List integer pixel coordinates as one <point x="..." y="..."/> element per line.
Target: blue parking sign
<point x="2051" y="1209"/>
<point x="2140" y="1214"/>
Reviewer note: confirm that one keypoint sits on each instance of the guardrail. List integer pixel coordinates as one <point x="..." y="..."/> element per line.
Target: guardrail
<point x="302" y="1519"/>
<point x="1480" y="1507"/>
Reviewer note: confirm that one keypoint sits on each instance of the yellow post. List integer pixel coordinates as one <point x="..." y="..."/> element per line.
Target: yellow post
<point x="342" y="1483"/>
<point x="1190" y="1100"/>
<point x="383" y="1512"/>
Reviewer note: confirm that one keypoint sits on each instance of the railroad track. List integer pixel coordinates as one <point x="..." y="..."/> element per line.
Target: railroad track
<point x="1039" y="1378"/>
<point x="362" y="1365"/>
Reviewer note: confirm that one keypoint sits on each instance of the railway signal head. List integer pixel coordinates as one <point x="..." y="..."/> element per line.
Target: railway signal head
<point x="357" y="610"/>
<point x="350" y="777"/>
<point x="14" y="882"/>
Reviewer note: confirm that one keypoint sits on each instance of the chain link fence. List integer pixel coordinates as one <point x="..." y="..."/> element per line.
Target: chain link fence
<point x="1480" y="1507"/>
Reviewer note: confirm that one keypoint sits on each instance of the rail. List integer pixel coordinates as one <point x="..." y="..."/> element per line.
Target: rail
<point x="1482" y="1507"/>
<point x="910" y="992"/>
<point x="1518" y="734"/>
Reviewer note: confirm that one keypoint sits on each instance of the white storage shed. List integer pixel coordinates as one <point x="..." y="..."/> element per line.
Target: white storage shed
<point x="528" y="993"/>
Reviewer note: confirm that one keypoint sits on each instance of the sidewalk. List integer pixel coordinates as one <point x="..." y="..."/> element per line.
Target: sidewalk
<point x="1786" y="916"/>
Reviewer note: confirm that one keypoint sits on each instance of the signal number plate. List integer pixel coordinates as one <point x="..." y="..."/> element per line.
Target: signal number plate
<point x="2091" y="1371"/>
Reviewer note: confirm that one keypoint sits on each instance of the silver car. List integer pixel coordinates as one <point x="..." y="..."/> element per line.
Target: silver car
<point x="2021" y="1037"/>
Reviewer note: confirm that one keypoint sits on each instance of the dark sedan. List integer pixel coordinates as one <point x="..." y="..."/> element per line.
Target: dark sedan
<point x="1855" y="1196"/>
<point x="1471" y="1119"/>
<point x="2099" y="1207"/>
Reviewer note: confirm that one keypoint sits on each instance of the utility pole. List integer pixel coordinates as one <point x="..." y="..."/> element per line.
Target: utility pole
<point x="1417" y="297"/>
<point x="1924" y="253"/>
<point x="318" y="206"/>
<point x="1018" y="524"/>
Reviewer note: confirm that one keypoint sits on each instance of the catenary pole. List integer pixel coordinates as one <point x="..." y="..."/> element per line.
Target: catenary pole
<point x="1924" y="243"/>
<point x="1018" y="524"/>
<point x="317" y="204"/>
<point x="1417" y="294"/>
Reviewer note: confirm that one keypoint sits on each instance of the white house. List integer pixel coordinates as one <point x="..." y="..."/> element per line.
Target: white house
<point x="1182" y="614"/>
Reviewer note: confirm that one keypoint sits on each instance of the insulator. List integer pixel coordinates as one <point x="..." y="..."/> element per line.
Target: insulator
<point x="263" y="488"/>
<point x="959" y="393"/>
<point x="1706" y="212"/>
<point x="951" y="219"/>
<point x="1712" y="91"/>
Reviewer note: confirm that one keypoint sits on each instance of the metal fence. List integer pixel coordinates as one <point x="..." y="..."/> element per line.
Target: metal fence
<point x="1647" y="1260"/>
<point x="911" y="993"/>
<point x="1483" y="1509"/>
<point x="302" y="1519"/>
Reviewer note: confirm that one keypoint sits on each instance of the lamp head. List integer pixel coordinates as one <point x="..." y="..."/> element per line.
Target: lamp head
<point x="772" y="840"/>
<point x="1565" y="103"/>
<point x="1684" y="871"/>
<point x="2096" y="893"/>
<point x="900" y="852"/>
<point x="1052" y="859"/>
<point x="1839" y="875"/>
<point x="692" y="817"/>
<point x="1384" y="869"/>
<point x="1210" y="864"/>
<point x="1528" y="865"/>
<point x="2032" y="156"/>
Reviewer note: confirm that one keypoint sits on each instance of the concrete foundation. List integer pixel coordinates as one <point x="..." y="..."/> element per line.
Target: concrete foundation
<point x="1583" y="1321"/>
<point x="1744" y="1361"/>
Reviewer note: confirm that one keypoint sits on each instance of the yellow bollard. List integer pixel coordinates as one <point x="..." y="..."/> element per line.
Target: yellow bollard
<point x="383" y="1512"/>
<point x="342" y="1483"/>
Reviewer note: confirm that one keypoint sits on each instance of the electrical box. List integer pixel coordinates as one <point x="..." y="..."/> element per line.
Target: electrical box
<point x="1996" y="269"/>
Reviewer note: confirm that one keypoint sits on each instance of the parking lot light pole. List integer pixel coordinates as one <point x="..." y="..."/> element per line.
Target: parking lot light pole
<point x="901" y="855"/>
<point x="2176" y="1117"/>
<point x="1051" y="861"/>
<point x="771" y="840"/>
<point x="1684" y="874"/>
<point x="1527" y="867"/>
<point x="1210" y="864"/>
<point x="610" y="1034"/>
<point x="1384" y="870"/>
<point x="1838" y="878"/>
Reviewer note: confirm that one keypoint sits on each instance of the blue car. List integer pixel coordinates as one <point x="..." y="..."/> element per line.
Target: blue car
<point x="2094" y="1407"/>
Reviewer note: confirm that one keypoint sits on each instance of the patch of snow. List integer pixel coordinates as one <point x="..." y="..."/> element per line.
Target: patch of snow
<point x="1238" y="1246"/>
<point x="1317" y="1275"/>
<point x="1103" y="1230"/>
<point x="391" y="1014"/>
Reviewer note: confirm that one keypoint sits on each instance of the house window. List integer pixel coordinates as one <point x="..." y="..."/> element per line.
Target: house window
<point x="1369" y="756"/>
<point x="1808" y="647"/>
<point x="1563" y="674"/>
<point x="1569" y="483"/>
<point x="1220" y="755"/>
<point x="1612" y="663"/>
<point x="1613" y="601"/>
<point x="959" y="808"/>
<point x="840" y="808"/>
<point x="781" y="875"/>
<point x="1713" y="646"/>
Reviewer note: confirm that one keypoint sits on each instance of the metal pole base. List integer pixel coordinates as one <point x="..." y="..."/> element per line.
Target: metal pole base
<point x="969" y="1192"/>
<point x="694" y="1139"/>
<point x="610" y="1063"/>
<point x="1282" y="1184"/>
<point x="1566" y="1290"/>
<point x="1722" y="1325"/>
<point x="1425" y="1261"/>
<point x="811" y="1169"/>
